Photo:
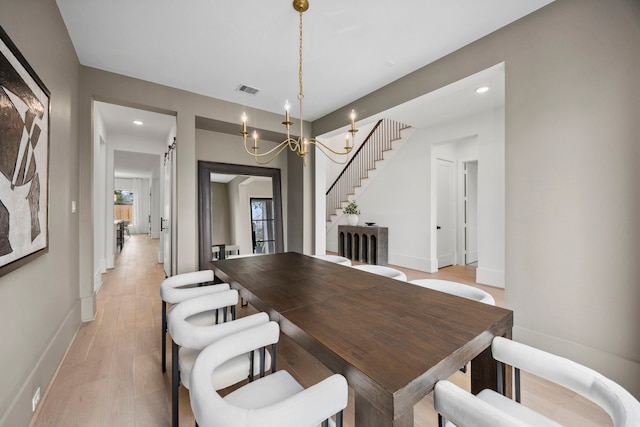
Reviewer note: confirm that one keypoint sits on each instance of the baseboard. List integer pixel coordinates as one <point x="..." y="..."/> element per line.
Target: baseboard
<point x="19" y="411"/>
<point x="88" y="307"/>
<point x="490" y="277"/>
<point x="414" y="263"/>
<point x="97" y="280"/>
<point x="111" y="261"/>
<point x="621" y="370"/>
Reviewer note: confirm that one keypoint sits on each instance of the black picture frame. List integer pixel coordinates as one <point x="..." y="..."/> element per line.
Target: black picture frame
<point x="24" y="160"/>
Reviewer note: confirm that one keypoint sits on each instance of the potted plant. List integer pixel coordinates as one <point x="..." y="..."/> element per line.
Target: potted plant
<point x="352" y="212"/>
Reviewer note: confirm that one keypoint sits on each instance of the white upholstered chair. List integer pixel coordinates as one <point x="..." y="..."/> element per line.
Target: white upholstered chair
<point x="182" y="287"/>
<point x="189" y="339"/>
<point x="621" y="406"/>
<point x="382" y="270"/>
<point x="455" y="288"/>
<point x="334" y="259"/>
<point x="275" y="400"/>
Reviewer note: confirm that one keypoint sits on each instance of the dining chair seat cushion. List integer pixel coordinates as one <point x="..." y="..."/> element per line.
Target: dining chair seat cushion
<point x="459" y="406"/>
<point x="334" y="259"/>
<point x="382" y="270"/>
<point x="515" y="409"/>
<point x="268" y="391"/>
<point x="455" y="288"/>
<point x="229" y="373"/>
<point x="265" y="391"/>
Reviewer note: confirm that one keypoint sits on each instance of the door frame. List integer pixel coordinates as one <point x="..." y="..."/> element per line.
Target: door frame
<point x="205" y="169"/>
<point x="462" y="246"/>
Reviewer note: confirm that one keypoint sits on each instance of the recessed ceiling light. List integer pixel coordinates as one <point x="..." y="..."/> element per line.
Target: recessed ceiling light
<point x="482" y="89"/>
<point x="137" y="123"/>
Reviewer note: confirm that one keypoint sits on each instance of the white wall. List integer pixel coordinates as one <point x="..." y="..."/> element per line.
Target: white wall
<point x="402" y="196"/>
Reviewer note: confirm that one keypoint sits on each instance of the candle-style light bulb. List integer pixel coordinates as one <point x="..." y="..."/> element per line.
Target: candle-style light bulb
<point x="353" y="119"/>
<point x="244" y="123"/>
<point x="286" y="111"/>
<point x="346" y="142"/>
<point x="255" y="140"/>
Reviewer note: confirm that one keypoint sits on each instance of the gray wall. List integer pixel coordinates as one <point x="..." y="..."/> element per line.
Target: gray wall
<point x="39" y="307"/>
<point x="220" y="209"/>
<point x="572" y="154"/>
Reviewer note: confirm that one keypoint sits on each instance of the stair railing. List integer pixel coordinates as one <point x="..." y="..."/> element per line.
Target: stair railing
<point x="379" y="140"/>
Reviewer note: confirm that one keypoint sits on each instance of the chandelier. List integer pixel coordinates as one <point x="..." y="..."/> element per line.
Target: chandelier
<point x="299" y="145"/>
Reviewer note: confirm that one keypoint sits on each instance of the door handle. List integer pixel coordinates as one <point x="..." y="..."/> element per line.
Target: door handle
<point x="438" y="227"/>
<point x="161" y="224"/>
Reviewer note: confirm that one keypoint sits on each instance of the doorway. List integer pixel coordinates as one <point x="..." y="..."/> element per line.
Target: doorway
<point x="128" y="144"/>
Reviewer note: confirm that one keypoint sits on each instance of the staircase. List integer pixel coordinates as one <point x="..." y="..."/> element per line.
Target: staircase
<point x="361" y="166"/>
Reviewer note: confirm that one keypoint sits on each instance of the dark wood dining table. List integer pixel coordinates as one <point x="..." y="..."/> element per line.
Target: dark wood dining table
<point x="391" y="340"/>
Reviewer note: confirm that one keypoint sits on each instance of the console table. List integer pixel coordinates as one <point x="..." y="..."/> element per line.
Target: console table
<point x="364" y="243"/>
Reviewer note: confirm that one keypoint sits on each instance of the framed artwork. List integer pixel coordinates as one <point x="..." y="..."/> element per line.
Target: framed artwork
<point x="24" y="160"/>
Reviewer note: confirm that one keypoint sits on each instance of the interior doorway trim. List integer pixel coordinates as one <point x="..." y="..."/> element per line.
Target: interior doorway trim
<point x="205" y="169"/>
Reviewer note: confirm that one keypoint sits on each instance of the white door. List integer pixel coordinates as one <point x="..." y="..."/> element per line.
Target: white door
<point x="445" y="213"/>
<point x="165" y="221"/>
<point x="471" y="212"/>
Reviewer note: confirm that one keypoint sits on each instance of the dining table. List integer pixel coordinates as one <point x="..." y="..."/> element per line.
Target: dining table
<point x="390" y="339"/>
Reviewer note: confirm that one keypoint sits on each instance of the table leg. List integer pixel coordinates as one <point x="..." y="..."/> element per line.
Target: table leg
<point x="367" y="415"/>
<point x="484" y="374"/>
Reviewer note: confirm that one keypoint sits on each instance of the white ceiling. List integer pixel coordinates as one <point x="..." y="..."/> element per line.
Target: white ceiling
<point x="351" y="48"/>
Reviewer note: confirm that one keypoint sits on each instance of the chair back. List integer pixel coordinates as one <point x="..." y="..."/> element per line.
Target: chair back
<point x="382" y="270"/>
<point x="621" y="406"/>
<point x="336" y="259"/>
<point x="188" y="334"/>
<point x="208" y="406"/>
<point x="182" y="286"/>
<point x="305" y="407"/>
<point x="455" y="288"/>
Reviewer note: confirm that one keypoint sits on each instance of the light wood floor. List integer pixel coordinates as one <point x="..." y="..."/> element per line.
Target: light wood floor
<point x="111" y="373"/>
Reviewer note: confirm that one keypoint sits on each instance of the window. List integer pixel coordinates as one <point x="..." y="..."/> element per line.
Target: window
<point x="123" y="205"/>
<point x="263" y="231"/>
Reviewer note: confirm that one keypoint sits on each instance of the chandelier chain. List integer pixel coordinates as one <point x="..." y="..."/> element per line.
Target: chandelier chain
<point x="301" y="94"/>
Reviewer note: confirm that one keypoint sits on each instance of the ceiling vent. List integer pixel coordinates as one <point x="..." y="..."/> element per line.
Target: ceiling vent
<point x="247" y="89"/>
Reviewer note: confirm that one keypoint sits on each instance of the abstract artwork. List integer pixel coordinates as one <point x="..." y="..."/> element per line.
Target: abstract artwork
<point x="24" y="160"/>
